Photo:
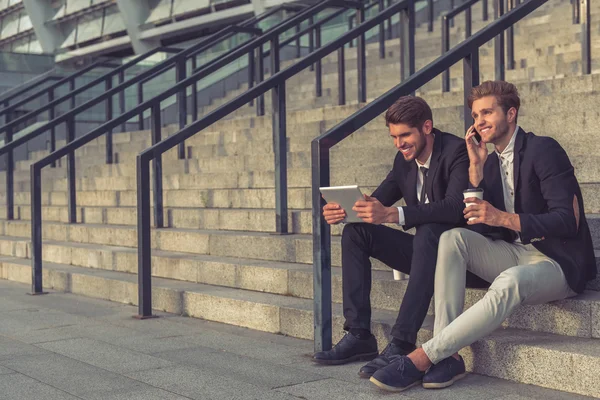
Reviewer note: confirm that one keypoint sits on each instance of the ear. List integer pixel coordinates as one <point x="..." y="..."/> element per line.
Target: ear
<point x="511" y="114"/>
<point x="427" y="127"/>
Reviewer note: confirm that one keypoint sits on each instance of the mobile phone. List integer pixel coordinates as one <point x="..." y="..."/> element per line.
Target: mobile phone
<point x="476" y="137"/>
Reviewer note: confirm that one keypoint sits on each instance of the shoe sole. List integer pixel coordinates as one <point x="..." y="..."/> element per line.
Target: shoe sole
<point x="358" y="357"/>
<point x="364" y="375"/>
<point x="442" y="385"/>
<point x="392" y="388"/>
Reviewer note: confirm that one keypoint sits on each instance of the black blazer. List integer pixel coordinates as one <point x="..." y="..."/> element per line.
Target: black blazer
<point x="448" y="176"/>
<point x="545" y="184"/>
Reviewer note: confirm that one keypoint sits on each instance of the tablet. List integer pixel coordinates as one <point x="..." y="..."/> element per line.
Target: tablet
<point x="345" y="196"/>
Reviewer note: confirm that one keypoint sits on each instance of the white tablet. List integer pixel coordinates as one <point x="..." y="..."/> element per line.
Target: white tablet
<point x="345" y="196"/>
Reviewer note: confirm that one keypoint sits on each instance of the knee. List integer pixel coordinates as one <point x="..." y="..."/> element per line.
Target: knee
<point x="427" y="237"/>
<point x="453" y="240"/>
<point x="510" y="284"/>
<point x="353" y="234"/>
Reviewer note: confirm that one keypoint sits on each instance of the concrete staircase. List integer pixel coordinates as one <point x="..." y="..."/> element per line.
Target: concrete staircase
<point x="219" y="259"/>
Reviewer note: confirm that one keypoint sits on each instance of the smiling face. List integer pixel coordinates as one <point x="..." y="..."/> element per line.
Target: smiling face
<point x="410" y="141"/>
<point x="491" y="122"/>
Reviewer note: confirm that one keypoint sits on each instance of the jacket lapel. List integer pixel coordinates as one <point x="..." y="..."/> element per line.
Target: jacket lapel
<point x="494" y="185"/>
<point x="519" y="141"/>
<point x="411" y="184"/>
<point x="433" y="165"/>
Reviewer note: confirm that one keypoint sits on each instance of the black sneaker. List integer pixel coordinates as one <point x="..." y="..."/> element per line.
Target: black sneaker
<point x="349" y="348"/>
<point x="382" y="360"/>
<point x="399" y="375"/>
<point x="444" y="373"/>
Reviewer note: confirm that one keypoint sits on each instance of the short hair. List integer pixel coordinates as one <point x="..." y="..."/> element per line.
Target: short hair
<point x="410" y="110"/>
<point x="506" y="94"/>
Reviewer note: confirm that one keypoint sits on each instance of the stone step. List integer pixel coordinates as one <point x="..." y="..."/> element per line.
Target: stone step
<point x="294" y="317"/>
<point x="569" y="317"/>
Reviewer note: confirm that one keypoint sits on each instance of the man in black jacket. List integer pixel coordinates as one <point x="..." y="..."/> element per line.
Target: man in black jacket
<point x="430" y="172"/>
<point x="533" y="203"/>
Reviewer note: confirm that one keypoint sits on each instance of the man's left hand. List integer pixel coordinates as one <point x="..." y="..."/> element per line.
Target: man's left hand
<point x="372" y="211"/>
<point x="483" y="212"/>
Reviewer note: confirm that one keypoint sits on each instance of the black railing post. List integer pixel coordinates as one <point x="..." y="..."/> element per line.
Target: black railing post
<point x="260" y="76"/>
<point x="251" y="73"/>
<point x="279" y="142"/>
<point x="341" y="77"/>
<point x="429" y="15"/>
<point x="452" y="8"/>
<point x="140" y="96"/>
<point x="484" y="7"/>
<point x="510" y="40"/>
<point x="144" y="239"/>
<point x="156" y="131"/>
<point x="381" y="32"/>
<point x="71" y="174"/>
<point x="194" y="92"/>
<point x="321" y="250"/>
<point x="445" y="48"/>
<point x="181" y="73"/>
<point x="10" y="172"/>
<point x="36" y="231"/>
<point x="122" y="99"/>
<point x="586" y="43"/>
<point x="350" y="27"/>
<point x="407" y="41"/>
<point x="311" y="40"/>
<point x="390" y="33"/>
<point x="499" y="43"/>
<point x="298" y="47"/>
<point x="52" y="115"/>
<point x="109" y="116"/>
<point x="72" y="88"/>
<point x="468" y="23"/>
<point x="319" y="64"/>
<point x="361" y="58"/>
<point x="470" y="80"/>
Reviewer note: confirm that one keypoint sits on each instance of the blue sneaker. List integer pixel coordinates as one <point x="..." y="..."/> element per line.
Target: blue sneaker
<point x="399" y="375"/>
<point x="444" y="373"/>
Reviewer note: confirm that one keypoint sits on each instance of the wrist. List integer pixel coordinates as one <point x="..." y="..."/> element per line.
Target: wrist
<point x="392" y="215"/>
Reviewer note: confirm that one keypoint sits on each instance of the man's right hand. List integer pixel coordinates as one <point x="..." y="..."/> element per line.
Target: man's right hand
<point x="478" y="153"/>
<point x="333" y="213"/>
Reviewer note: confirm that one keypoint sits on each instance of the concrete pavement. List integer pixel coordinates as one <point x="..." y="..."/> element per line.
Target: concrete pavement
<point x="63" y="346"/>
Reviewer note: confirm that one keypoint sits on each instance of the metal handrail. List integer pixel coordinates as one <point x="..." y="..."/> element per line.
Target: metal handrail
<point x="277" y="84"/>
<point x="152" y="104"/>
<point x="321" y="146"/>
<point x="29" y="85"/>
<point x="45" y="91"/>
<point x="178" y="61"/>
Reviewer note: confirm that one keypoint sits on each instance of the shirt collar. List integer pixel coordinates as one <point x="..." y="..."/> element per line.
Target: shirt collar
<point x="509" y="152"/>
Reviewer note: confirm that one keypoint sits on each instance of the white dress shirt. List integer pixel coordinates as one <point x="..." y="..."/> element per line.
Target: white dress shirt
<point x="401" y="219"/>
<point x="507" y="172"/>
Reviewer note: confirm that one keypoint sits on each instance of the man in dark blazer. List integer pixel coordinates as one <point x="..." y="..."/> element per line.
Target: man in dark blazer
<point x="528" y="236"/>
<point x="430" y="172"/>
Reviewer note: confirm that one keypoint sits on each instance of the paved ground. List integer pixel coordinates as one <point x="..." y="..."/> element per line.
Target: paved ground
<point x="63" y="346"/>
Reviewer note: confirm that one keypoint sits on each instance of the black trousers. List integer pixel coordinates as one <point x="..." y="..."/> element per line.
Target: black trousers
<point x="415" y="255"/>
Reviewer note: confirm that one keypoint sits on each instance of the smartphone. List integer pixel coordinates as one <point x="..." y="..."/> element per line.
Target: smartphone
<point x="476" y="137"/>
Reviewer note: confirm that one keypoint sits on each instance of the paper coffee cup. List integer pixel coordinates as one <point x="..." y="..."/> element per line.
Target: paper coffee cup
<point x="398" y="276"/>
<point x="478" y="193"/>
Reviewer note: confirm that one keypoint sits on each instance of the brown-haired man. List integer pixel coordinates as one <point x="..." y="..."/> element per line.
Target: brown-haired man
<point x="425" y="154"/>
<point x="531" y="200"/>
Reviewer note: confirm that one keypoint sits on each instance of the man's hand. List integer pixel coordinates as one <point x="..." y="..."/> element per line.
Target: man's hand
<point x="372" y="211"/>
<point x="333" y="213"/>
<point x="478" y="153"/>
<point x="483" y="212"/>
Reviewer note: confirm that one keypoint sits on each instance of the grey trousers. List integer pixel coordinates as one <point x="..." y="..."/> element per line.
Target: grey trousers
<point x="519" y="273"/>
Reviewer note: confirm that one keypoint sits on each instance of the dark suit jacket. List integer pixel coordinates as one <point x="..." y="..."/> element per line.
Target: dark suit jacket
<point x="545" y="184"/>
<point x="448" y="176"/>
